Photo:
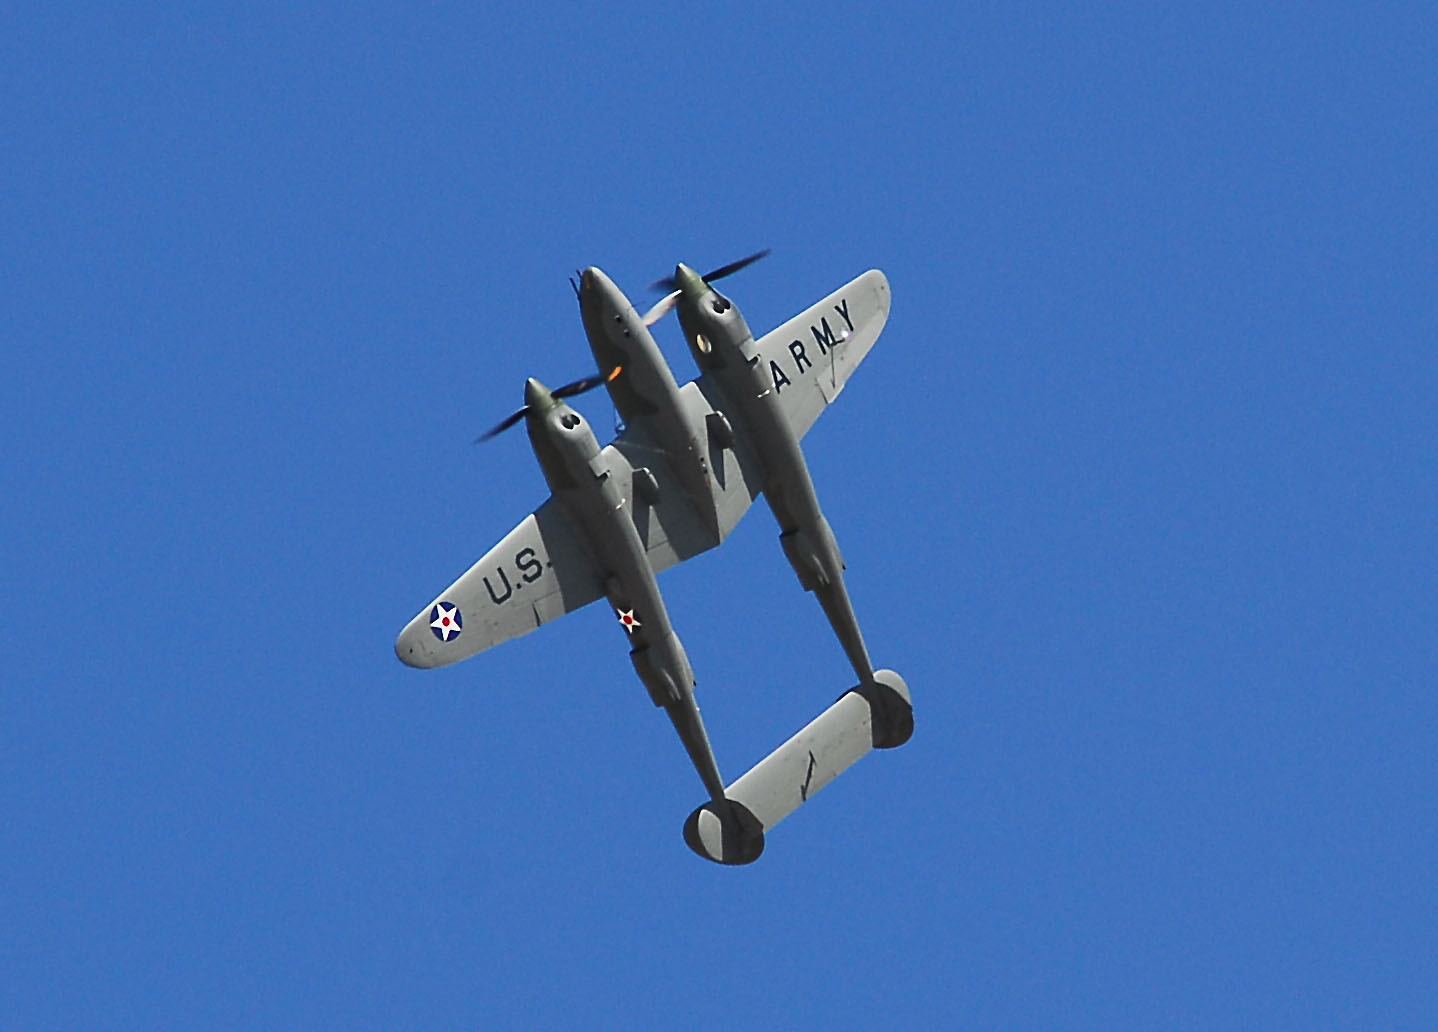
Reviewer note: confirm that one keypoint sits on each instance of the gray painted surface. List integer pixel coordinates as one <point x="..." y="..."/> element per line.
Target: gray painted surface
<point x="774" y="392"/>
<point x="670" y="529"/>
<point x="826" y="747"/>
<point x="793" y="773"/>
<point x="690" y="463"/>
<point x="878" y="714"/>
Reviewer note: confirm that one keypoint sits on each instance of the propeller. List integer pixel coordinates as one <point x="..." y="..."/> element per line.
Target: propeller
<point x="669" y="283"/>
<point x="569" y="390"/>
<point x="666" y="304"/>
<point x="501" y="427"/>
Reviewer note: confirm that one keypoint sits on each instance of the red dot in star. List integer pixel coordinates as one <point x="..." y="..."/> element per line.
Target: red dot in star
<point x="446" y="621"/>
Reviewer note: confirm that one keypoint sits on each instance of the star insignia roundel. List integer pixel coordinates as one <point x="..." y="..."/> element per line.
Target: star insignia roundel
<point x="445" y="621"/>
<point x="628" y="619"/>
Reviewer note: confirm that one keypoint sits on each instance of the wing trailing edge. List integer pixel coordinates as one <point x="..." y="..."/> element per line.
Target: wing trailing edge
<point x="811" y="357"/>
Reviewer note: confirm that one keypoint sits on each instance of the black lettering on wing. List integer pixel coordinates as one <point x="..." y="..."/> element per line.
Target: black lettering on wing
<point x="780" y="380"/>
<point x="499" y="600"/>
<point x="826" y="339"/>
<point x="796" y="348"/>
<point x="529" y="565"/>
<point x="843" y="309"/>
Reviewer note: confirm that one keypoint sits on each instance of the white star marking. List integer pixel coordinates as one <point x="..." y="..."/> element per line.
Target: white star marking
<point x="628" y="619"/>
<point x="444" y="623"/>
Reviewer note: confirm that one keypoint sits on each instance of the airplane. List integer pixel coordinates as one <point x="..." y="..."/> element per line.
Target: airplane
<point x="687" y="466"/>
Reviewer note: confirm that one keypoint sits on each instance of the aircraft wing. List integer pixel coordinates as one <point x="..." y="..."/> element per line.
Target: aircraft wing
<point x="811" y="356"/>
<point x="538" y="572"/>
<point x="542" y="569"/>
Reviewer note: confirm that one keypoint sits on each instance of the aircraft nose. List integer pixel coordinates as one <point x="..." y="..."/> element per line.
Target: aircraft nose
<point x="690" y="282"/>
<point x="537" y="396"/>
<point x="597" y="291"/>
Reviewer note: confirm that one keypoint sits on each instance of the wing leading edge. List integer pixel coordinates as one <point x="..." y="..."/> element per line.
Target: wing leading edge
<point x="541" y="569"/>
<point x="811" y="356"/>
<point x="538" y="572"/>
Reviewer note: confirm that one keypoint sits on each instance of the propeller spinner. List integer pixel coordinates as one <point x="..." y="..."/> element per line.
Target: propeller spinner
<point x="671" y="284"/>
<point x="536" y="396"/>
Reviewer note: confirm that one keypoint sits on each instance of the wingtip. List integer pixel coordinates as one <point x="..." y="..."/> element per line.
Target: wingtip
<point x="404" y="651"/>
<point x="409" y="646"/>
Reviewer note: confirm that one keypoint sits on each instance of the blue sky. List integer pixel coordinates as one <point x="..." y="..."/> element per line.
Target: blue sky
<point x="1137" y="490"/>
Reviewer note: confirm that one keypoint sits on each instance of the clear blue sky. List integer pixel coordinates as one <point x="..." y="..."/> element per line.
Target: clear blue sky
<point x="1137" y="490"/>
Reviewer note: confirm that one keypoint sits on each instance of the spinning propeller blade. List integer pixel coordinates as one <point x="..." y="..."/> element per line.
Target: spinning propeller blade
<point x="504" y="425"/>
<point x="733" y="267"/>
<point x="669" y="283"/>
<point x="569" y="390"/>
<point x="661" y="308"/>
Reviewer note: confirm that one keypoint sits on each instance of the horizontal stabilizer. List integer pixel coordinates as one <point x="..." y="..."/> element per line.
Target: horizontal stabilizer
<point x="876" y="715"/>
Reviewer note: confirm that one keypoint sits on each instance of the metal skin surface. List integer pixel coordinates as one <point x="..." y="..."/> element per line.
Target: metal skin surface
<point x="877" y="715"/>
<point x="580" y="478"/>
<point x="644" y="390"/>
<point x="724" y="348"/>
<point x="675" y="483"/>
